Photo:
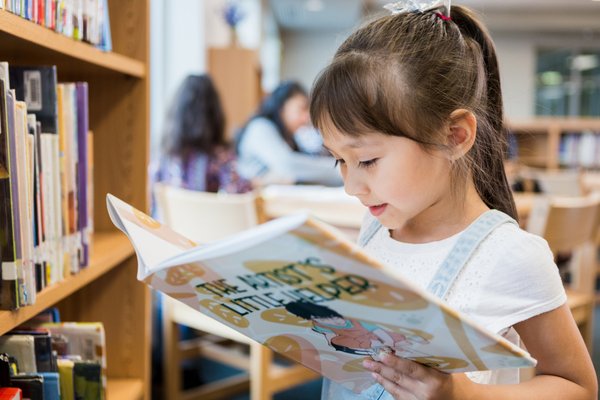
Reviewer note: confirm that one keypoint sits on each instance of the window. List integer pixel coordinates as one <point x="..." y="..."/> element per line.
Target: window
<point x="568" y="83"/>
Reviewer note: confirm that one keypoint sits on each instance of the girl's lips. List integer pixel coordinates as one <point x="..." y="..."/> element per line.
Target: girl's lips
<point x="377" y="210"/>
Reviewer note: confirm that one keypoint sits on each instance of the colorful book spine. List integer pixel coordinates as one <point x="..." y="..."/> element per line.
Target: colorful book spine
<point x="9" y="293"/>
<point x="82" y="166"/>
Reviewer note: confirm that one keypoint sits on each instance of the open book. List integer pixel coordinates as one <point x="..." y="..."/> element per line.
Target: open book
<point x="301" y="288"/>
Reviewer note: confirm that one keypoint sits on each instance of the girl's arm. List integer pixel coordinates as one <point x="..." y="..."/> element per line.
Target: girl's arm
<point x="564" y="371"/>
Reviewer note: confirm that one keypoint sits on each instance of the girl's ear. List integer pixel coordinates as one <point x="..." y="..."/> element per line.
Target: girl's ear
<point x="462" y="133"/>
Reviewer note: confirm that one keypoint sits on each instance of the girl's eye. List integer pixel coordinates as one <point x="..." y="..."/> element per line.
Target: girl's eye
<point x="368" y="163"/>
<point x="338" y="161"/>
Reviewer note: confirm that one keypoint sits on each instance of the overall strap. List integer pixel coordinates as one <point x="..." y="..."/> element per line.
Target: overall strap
<point x="464" y="248"/>
<point x="368" y="232"/>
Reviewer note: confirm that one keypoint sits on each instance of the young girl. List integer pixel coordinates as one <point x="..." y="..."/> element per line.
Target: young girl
<point x="411" y="108"/>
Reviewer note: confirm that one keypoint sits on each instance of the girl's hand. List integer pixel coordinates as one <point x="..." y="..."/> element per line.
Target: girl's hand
<point x="405" y="379"/>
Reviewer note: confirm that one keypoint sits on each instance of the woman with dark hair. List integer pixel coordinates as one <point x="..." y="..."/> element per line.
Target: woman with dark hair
<point x="266" y="146"/>
<point x="194" y="153"/>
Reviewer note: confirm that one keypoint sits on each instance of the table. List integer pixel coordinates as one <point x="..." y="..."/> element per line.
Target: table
<point x="334" y="206"/>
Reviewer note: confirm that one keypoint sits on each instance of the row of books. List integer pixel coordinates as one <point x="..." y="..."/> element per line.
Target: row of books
<point x="45" y="181"/>
<point x="580" y="149"/>
<point x="85" y="20"/>
<point x="53" y="360"/>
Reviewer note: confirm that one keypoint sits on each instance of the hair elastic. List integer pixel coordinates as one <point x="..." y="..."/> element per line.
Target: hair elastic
<point x="407" y="6"/>
<point x="443" y="17"/>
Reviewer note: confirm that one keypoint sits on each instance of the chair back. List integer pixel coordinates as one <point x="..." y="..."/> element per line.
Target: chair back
<point x="570" y="226"/>
<point x="565" y="222"/>
<point x="205" y="217"/>
<point x="556" y="183"/>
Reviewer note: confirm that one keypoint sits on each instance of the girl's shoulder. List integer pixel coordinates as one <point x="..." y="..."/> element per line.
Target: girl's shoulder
<point x="512" y="239"/>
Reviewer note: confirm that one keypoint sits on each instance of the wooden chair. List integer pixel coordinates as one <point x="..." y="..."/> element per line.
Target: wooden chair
<point x="571" y="225"/>
<point x="556" y="182"/>
<point x="205" y="217"/>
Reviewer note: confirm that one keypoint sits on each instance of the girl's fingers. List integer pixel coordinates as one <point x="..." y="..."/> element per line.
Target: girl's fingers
<point x="398" y="392"/>
<point x="401" y="372"/>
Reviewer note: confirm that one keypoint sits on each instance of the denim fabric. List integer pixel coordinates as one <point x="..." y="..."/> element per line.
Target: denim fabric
<point x="441" y="283"/>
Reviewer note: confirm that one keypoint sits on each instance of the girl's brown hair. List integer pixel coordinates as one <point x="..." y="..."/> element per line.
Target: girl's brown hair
<point x="403" y="75"/>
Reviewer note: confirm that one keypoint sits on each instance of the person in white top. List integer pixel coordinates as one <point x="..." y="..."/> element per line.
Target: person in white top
<point x="266" y="145"/>
<point x="411" y="108"/>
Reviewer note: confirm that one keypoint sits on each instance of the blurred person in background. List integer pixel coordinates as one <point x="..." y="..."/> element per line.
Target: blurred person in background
<point x="194" y="152"/>
<point x="268" y="150"/>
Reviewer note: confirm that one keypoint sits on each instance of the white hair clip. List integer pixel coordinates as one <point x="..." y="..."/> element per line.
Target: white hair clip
<point x="406" y="6"/>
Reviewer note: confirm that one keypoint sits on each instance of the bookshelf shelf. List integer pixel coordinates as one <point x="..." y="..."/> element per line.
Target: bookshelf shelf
<point x="539" y="140"/>
<point x="108" y="251"/>
<point x="125" y="389"/>
<point x="18" y="34"/>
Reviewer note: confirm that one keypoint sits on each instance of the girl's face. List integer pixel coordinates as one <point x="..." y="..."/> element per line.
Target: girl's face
<point x="294" y="112"/>
<point x="402" y="184"/>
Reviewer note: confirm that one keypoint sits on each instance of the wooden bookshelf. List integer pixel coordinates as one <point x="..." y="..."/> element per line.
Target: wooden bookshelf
<point x="106" y="291"/>
<point x="18" y="33"/>
<point x="108" y="251"/>
<point x="125" y="389"/>
<point x="538" y="140"/>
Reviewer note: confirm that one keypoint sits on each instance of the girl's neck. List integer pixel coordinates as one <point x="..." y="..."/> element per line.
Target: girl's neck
<point x="443" y="219"/>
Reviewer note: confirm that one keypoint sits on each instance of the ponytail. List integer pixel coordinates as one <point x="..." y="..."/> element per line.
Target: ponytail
<point x="489" y="175"/>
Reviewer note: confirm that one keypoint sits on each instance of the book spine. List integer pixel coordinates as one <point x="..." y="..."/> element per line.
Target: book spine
<point x="9" y="294"/>
<point x="82" y="166"/>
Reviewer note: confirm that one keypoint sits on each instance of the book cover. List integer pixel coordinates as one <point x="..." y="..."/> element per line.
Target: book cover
<point x="87" y="379"/>
<point x="31" y="385"/>
<point x="51" y="385"/>
<point x="22" y="348"/>
<point x="5" y="371"/>
<point x="36" y="86"/>
<point x="299" y="287"/>
<point x="44" y="360"/>
<point x="9" y="393"/>
<point x="65" y="371"/>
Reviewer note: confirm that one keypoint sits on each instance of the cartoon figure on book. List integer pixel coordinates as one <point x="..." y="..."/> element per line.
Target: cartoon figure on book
<point x="411" y="108"/>
<point x="351" y="335"/>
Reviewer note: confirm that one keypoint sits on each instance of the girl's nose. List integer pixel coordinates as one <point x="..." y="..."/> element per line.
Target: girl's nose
<point x="354" y="184"/>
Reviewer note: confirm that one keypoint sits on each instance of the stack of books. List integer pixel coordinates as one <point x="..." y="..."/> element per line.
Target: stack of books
<point x="52" y="360"/>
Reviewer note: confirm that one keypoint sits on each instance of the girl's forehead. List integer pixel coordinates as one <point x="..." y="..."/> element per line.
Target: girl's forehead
<point x="341" y="141"/>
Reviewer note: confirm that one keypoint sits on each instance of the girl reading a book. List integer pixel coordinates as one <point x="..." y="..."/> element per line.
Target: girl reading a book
<point x="411" y="108"/>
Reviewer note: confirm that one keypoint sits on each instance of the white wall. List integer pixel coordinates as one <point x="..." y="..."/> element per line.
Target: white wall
<point x="176" y="50"/>
<point x="305" y="54"/>
<point x="516" y="59"/>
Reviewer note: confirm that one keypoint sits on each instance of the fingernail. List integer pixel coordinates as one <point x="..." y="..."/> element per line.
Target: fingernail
<point x="367" y="364"/>
<point x="374" y="375"/>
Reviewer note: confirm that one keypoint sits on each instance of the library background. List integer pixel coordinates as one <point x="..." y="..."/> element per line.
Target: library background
<point x="85" y="86"/>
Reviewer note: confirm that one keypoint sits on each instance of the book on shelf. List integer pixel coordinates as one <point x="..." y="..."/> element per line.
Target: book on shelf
<point x="45" y="182"/>
<point x="9" y="393"/>
<point x="299" y="287"/>
<point x="81" y="20"/>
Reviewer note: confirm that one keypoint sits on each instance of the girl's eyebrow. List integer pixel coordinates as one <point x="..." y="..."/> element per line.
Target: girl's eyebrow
<point x="354" y="144"/>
